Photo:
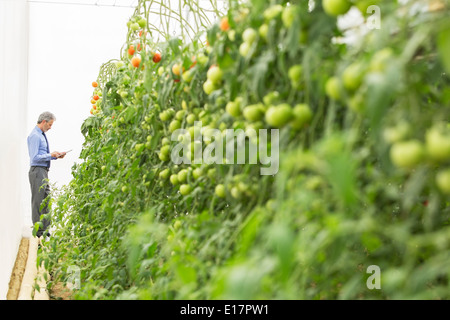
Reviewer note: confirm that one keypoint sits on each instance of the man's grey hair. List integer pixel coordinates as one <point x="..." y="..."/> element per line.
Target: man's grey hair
<point x="47" y="116"/>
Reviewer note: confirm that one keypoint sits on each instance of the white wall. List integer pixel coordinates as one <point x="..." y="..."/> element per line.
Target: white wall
<point x="13" y="105"/>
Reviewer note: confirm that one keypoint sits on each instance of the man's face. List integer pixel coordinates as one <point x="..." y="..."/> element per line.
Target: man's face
<point x="47" y="125"/>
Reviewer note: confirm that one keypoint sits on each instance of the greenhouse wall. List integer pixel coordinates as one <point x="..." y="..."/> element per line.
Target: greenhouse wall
<point x="13" y="152"/>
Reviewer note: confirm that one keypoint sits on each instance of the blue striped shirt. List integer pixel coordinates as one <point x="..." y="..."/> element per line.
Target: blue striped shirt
<point x="38" y="149"/>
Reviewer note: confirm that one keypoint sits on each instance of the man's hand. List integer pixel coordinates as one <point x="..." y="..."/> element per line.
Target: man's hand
<point x="55" y="154"/>
<point x="62" y="155"/>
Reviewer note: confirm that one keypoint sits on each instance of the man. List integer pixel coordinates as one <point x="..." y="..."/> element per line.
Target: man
<point x="40" y="158"/>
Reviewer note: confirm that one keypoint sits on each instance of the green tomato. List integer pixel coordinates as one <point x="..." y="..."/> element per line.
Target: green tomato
<point x="380" y="59"/>
<point x="263" y="30"/>
<point x="302" y="115"/>
<point x="253" y="112"/>
<point x="164" y="174"/>
<point x="443" y="181"/>
<point x="211" y="173"/>
<point x="273" y="11"/>
<point x="214" y="74"/>
<point x="194" y="131"/>
<point x="353" y="76"/>
<point x="437" y="143"/>
<point x="333" y="88"/>
<point x="235" y="193"/>
<point x="336" y="7"/>
<point x="208" y="87"/>
<point x="180" y="114"/>
<point x="397" y="133"/>
<point x="164" y="116"/>
<point x="295" y="74"/>
<point x="197" y="173"/>
<point x="220" y="191"/>
<point x="124" y="189"/>
<point x="165" y="149"/>
<point x="249" y="35"/>
<point x="174" y="179"/>
<point x="135" y="26"/>
<point x="231" y="35"/>
<point x="165" y="141"/>
<point x="190" y="119"/>
<point x="271" y="98"/>
<point x="202" y="59"/>
<point x="288" y="15"/>
<point x="139" y="147"/>
<point x="142" y="22"/>
<point x="187" y="76"/>
<point x="244" y="49"/>
<point x="182" y="175"/>
<point x="279" y="116"/>
<point x="233" y="108"/>
<point x="407" y="154"/>
<point x="185" y="189"/>
<point x="174" y="125"/>
<point x="177" y="225"/>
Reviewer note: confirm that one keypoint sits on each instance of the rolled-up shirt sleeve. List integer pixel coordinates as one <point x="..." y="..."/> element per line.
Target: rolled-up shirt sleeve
<point x="33" y="150"/>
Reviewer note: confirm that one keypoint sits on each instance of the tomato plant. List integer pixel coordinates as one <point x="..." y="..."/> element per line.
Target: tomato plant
<point x="363" y="156"/>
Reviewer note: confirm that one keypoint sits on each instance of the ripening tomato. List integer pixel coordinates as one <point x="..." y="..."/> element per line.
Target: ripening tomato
<point x="176" y="69"/>
<point x="131" y="50"/>
<point x="96" y="97"/>
<point x="95" y="84"/>
<point x="224" y="25"/>
<point x="136" y="61"/>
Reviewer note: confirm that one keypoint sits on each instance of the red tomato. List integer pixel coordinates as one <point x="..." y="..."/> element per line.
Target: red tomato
<point x="157" y="57"/>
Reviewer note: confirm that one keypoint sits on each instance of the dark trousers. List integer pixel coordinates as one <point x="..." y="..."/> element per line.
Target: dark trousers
<point x="39" y="191"/>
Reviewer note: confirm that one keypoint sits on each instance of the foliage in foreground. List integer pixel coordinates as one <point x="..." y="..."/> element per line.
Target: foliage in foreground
<point x="364" y="149"/>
